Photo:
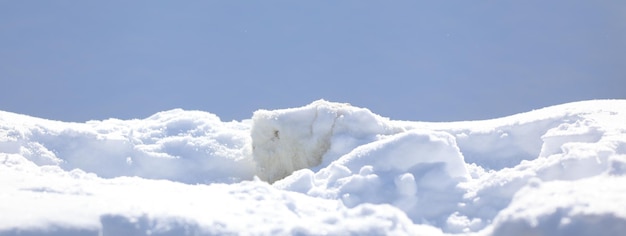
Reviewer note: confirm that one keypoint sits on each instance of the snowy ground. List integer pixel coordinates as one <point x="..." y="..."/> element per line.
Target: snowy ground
<point x="325" y="168"/>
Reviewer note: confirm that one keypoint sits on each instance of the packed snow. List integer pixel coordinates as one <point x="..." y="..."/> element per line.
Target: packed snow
<point x="322" y="169"/>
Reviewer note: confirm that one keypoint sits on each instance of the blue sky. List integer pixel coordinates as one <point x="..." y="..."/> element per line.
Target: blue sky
<point x="411" y="60"/>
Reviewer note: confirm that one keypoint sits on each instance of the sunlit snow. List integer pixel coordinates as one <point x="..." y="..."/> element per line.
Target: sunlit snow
<point x="324" y="168"/>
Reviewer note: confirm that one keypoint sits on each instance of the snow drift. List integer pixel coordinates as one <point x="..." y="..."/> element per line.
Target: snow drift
<point x="325" y="168"/>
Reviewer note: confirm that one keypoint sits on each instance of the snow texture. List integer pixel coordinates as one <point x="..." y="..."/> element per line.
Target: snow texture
<point x="325" y="168"/>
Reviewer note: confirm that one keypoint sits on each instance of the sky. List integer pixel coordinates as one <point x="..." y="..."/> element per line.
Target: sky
<point x="408" y="60"/>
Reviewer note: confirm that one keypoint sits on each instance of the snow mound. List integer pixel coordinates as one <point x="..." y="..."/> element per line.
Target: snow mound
<point x="397" y="170"/>
<point x="185" y="146"/>
<point x="42" y="200"/>
<point x="586" y="207"/>
<point x="325" y="168"/>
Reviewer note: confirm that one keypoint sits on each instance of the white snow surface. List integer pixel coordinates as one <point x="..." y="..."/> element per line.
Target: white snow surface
<point x="322" y="169"/>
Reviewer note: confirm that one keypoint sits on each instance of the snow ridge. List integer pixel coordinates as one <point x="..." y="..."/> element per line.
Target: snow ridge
<point x="325" y="168"/>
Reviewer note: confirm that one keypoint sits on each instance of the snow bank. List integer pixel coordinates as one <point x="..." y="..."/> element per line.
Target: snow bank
<point x="397" y="170"/>
<point x="185" y="146"/>
<point x="48" y="200"/>
<point x="587" y="207"/>
<point x="332" y="169"/>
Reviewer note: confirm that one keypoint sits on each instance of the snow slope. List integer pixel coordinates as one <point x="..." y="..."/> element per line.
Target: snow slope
<point x="324" y="168"/>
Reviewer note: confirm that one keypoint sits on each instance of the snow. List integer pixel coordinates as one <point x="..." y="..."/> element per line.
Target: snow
<point x="324" y="168"/>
